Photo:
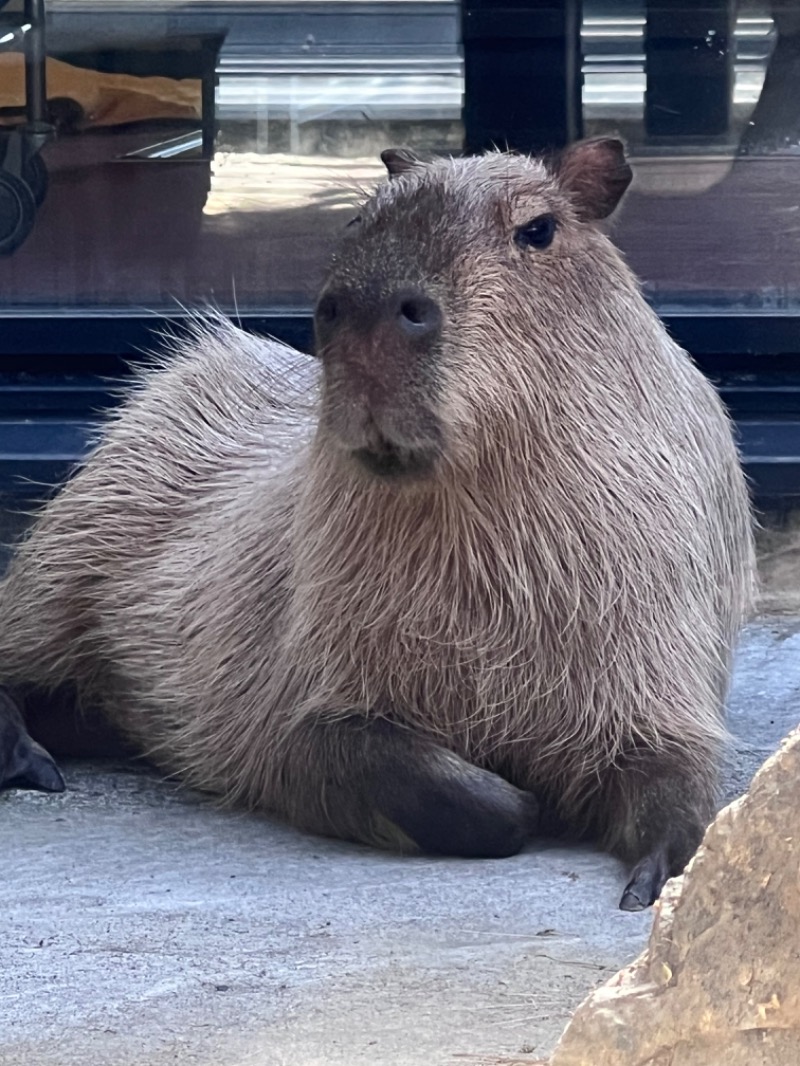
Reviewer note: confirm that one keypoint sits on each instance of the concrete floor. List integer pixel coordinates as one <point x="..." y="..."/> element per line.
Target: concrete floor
<point x="142" y="926"/>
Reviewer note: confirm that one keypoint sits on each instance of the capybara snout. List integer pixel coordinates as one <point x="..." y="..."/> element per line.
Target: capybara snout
<point x="379" y="354"/>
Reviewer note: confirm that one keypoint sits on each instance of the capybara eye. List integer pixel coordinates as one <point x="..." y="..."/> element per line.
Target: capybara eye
<point x="538" y="233"/>
<point x="353" y="221"/>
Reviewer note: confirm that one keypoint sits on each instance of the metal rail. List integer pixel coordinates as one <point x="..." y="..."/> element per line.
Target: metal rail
<point x="49" y="404"/>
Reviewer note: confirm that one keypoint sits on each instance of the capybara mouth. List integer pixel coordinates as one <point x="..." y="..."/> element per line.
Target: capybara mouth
<point x="393" y="461"/>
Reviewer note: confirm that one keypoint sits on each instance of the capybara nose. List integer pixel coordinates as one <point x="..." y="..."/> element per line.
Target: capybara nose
<point x="407" y="313"/>
<point x="415" y="314"/>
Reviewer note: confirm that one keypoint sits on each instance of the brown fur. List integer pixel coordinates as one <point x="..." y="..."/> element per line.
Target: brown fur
<point x="557" y="602"/>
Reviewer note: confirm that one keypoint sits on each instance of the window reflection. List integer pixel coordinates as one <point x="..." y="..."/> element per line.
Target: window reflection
<point x="198" y="150"/>
<point x="614" y="59"/>
<point x="707" y="97"/>
<point x="206" y="150"/>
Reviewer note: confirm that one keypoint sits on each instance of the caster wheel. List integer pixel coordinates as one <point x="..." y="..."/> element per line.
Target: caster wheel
<point x="17" y="212"/>
<point x="34" y="174"/>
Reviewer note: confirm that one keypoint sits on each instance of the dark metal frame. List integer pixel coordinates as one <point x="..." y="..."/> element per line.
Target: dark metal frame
<point x="56" y="382"/>
<point x="522" y="74"/>
<point x="735" y="338"/>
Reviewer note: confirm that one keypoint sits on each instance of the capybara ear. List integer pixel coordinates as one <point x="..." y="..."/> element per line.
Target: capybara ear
<point x="399" y="161"/>
<point x="595" y="174"/>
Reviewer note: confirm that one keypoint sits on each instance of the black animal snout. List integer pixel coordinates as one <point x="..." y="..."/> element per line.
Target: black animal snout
<point x="409" y="314"/>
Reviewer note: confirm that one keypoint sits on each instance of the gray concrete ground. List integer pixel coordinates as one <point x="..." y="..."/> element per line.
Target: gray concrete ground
<point x="142" y="926"/>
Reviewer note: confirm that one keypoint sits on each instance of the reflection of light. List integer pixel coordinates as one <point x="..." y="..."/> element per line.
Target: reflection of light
<point x="256" y="182"/>
<point x="634" y="27"/>
<point x="628" y="87"/>
<point x="611" y="33"/>
<point x="614" y="22"/>
<point x="257" y="83"/>
<point x="611" y="27"/>
<point x="10" y="36"/>
<point x="310" y="97"/>
<point x="746" y="90"/>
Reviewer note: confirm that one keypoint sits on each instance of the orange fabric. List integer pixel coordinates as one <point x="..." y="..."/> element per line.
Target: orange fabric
<point x="107" y="99"/>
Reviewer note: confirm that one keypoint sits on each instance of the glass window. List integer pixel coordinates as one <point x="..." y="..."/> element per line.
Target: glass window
<point x="208" y="150"/>
<point x="707" y="96"/>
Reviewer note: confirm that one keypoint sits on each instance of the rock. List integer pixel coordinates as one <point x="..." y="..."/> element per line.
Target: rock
<point x="719" y="982"/>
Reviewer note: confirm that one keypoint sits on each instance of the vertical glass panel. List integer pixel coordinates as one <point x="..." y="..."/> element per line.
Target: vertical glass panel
<point x="191" y="150"/>
<point x="205" y="150"/>
<point x="707" y="95"/>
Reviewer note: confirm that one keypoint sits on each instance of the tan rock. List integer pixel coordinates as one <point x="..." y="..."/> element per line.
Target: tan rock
<point x="719" y="982"/>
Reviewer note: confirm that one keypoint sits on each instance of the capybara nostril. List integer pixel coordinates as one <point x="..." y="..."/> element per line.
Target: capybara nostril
<point x="418" y="315"/>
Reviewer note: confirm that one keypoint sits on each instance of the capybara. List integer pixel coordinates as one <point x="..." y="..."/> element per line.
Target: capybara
<point x="475" y="574"/>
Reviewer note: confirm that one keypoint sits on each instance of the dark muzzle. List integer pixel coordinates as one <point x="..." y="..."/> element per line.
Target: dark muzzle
<point x="380" y="354"/>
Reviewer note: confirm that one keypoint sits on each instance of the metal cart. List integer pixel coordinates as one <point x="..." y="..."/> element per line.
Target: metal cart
<point x="23" y="174"/>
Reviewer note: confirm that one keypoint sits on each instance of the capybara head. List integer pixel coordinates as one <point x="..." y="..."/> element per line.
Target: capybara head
<point x="454" y="295"/>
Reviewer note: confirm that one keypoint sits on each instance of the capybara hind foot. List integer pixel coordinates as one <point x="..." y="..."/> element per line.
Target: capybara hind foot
<point x="661" y="815"/>
<point x="23" y="762"/>
<point x="404" y="791"/>
<point x="449" y="807"/>
<point x="649" y="876"/>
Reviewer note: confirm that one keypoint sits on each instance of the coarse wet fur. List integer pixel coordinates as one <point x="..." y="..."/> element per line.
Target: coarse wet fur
<point x="476" y="573"/>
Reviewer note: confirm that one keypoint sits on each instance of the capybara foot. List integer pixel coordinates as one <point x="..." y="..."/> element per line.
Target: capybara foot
<point x="446" y="805"/>
<point x="648" y="878"/>
<point x="23" y="762"/>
